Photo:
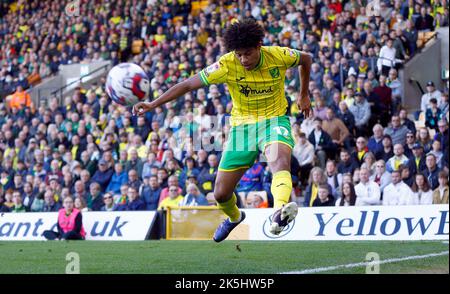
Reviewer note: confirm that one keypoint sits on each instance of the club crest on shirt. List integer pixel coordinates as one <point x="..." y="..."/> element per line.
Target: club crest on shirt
<point x="212" y="68"/>
<point x="274" y="72"/>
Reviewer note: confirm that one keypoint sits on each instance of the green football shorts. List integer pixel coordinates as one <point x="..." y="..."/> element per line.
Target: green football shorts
<point x="245" y="141"/>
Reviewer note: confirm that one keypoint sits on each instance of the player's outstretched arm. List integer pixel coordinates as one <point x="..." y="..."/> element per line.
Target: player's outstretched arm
<point x="191" y="84"/>
<point x="303" y="101"/>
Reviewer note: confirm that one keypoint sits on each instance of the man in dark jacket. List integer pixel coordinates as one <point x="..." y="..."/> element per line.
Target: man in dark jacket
<point x="208" y="174"/>
<point x="443" y="134"/>
<point x="49" y="202"/>
<point x="134" y="201"/>
<point x="416" y="163"/>
<point x="432" y="171"/>
<point x="95" y="198"/>
<point x="347" y="164"/>
<point x="323" y="144"/>
<point x="324" y="198"/>
<point x="103" y="175"/>
<point x="150" y="192"/>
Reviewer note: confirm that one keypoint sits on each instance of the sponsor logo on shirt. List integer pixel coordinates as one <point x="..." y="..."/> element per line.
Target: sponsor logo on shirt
<point x="246" y="90"/>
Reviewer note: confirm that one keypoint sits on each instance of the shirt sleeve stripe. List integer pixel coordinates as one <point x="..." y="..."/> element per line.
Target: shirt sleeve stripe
<point x="297" y="58"/>
<point x="203" y="78"/>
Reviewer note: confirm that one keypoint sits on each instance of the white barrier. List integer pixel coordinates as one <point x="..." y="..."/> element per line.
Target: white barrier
<point x="120" y="225"/>
<point x="421" y="222"/>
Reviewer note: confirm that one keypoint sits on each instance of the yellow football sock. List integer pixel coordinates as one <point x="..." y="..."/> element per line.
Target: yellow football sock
<point x="281" y="188"/>
<point x="230" y="208"/>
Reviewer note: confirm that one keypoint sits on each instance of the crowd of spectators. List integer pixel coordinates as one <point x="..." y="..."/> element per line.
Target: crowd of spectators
<point x="360" y="148"/>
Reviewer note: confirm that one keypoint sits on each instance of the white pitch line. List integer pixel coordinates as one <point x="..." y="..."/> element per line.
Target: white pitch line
<point x="371" y="263"/>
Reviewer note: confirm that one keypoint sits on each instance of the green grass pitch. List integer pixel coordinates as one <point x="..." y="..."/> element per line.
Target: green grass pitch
<point x="232" y="257"/>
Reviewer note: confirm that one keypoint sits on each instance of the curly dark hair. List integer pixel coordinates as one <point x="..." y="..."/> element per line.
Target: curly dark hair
<point x="243" y="34"/>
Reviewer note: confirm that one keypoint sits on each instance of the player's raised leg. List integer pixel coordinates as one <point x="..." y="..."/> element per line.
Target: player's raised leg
<point x="226" y="182"/>
<point x="279" y="160"/>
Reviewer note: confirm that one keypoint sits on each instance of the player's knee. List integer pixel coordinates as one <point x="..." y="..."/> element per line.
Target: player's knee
<point x="221" y="194"/>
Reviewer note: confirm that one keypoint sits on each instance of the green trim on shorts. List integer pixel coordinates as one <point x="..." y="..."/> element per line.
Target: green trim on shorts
<point x="246" y="141"/>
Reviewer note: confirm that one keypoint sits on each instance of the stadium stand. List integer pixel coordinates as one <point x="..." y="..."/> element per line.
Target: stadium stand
<point x="54" y="150"/>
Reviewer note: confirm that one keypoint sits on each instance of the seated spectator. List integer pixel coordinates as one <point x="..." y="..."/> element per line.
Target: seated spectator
<point x="443" y="134"/>
<point x="422" y="190"/>
<point x="172" y="181"/>
<point x="134" y="201"/>
<point x="193" y="197"/>
<point x="134" y="162"/>
<point x="108" y="203"/>
<point x="28" y="196"/>
<point x="398" y="193"/>
<point x="189" y="170"/>
<point x="399" y="158"/>
<point x="80" y="204"/>
<point x="433" y="115"/>
<point x="103" y="175"/>
<point x="320" y="110"/>
<point x="208" y="174"/>
<point x="437" y="152"/>
<point x="324" y="198"/>
<point x="375" y="143"/>
<point x="252" y="180"/>
<point x="150" y="192"/>
<point x="119" y="178"/>
<point x="369" y="162"/>
<point x="38" y="202"/>
<point x="50" y="205"/>
<point x="387" y="151"/>
<point x="336" y="129"/>
<point x="432" y="93"/>
<point x="347" y="164"/>
<point x="334" y="179"/>
<point x="348" y="195"/>
<point x="303" y="151"/>
<point x="316" y="178"/>
<point x="416" y="162"/>
<point x="18" y="205"/>
<point x="322" y="143"/>
<point x="360" y="151"/>
<point x="440" y="193"/>
<point x="381" y="176"/>
<point x="405" y="121"/>
<point x="173" y="200"/>
<point x="361" y="111"/>
<point x="121" y="198"/>
<point x="406" y="175"/>
<point x="396" y="131"/>
<point x="255" y="200"/>
<point x="347" y="117"/>
<point x="94" y="199"/>
<point x="133" y="179"/>
<point x="424" y="139"/>
<point x="367" y="191"/>
<point x="69" y="225"/>
<point x="410" y="141"/>
<point x="432" y="171"/>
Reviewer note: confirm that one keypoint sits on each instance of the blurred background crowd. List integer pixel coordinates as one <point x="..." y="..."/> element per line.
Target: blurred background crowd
<point x="371" y="149"/>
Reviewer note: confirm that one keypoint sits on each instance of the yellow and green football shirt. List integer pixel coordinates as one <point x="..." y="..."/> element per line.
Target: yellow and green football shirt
<point x="256" y="94"/>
